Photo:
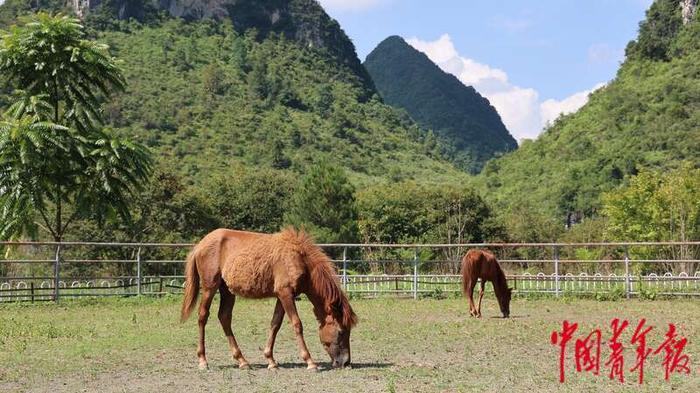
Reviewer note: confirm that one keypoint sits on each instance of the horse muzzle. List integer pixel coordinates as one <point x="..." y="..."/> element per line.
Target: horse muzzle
<point x="341" y="362"/>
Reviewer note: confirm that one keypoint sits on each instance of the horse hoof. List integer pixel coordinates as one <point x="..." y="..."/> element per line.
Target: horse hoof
<point x="203" y="367"/>
<point x="244" y="366"/>
<point x="312" y="367"/>
<point x="272" y="366"/>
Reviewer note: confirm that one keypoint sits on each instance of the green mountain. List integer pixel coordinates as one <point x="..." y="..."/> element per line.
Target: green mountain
<point x="647" y="117"/>
<point x="263" y="84"/>
<point x="406" y="78"/>
<point x="303" y="21"/>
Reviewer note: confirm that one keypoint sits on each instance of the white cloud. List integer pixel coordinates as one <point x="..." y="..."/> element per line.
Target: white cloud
<point x="520" y="108"/>
<point x="551" y="109"/>
<point x="349" y="5"/>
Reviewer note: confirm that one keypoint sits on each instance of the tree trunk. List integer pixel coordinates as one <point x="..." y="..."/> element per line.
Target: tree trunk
<point x="58" y="232"/>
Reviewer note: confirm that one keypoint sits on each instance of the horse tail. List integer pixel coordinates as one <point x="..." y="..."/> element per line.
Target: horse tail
<point x="466" y="274"/>
<point x="191" y="287"/>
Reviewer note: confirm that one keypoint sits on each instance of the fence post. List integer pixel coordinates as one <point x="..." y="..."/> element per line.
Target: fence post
<point x="345" y="268"/>
<point x="628" y="288"/>
<point x="556" y="270"/>
<point x="138" y="272"/>
<point x="415" y="273"/>
<point x="56" y="272"/>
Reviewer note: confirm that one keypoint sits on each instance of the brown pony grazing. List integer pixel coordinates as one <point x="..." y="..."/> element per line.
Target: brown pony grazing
<point x="479" y="264"/>
<point x="256" y="265"/>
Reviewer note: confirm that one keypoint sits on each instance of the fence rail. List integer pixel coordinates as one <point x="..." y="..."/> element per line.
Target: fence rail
<point x="48" y="271"/>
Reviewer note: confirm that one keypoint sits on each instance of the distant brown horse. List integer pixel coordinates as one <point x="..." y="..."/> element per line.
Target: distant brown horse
<point x="479" y="264"/>
<point x="256" y="265"/>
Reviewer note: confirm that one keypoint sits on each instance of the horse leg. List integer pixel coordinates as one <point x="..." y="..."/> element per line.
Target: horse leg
<point x="481" y="296"/>
<point x="277" y="318"/>
<point x="225" y="315"/>
<point x="287" y="299"/>
<point x="470" y="295"/>
<point x="204" y="304"/>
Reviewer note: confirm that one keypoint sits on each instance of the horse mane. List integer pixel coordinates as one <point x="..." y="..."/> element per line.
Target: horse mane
<point x="322" y="274"/>
<point x="499" y="281"/>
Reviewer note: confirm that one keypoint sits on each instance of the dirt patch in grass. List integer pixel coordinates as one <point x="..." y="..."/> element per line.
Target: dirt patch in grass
<point x="137" y="345"/>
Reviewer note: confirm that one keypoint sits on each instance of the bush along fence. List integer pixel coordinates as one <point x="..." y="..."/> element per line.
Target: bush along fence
<point x="45" y="271"/>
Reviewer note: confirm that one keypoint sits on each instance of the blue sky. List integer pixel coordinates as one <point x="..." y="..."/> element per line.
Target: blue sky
<point x="533" y="59"/>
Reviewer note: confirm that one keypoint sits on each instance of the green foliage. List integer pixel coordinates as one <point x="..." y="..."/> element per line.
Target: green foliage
<point x="616" y="294"/>
<point x="47" y="55"/>
<point x="253" y="200"/>
<point x="656" y="206"/>
<point x="10" y="9"/>
<point x="324" y="204"/>
<point x="470" y="127"/>
<point x="648" y="293"/>
<point x="657" y="31"/>
<point x="412" y="213"/>
<point x="214" y="79"/>
<point x="52" y="156"/>
<point x="526" y="222"/>
<point x="436" y="293"/>
<point x="164" y="211"/>
<point x="26" y="147"/>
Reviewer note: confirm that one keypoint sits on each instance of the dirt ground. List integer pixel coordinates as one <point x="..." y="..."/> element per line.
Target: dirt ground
<point x="137" y="345"/>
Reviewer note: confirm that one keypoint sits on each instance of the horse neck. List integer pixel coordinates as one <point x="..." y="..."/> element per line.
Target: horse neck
<point x="319" y="305"/>
<point x="323" y="289"/>
<point x="499" y="282"/>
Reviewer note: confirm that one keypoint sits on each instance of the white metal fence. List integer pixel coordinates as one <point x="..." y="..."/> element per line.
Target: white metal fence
<point x="40" y="271"/>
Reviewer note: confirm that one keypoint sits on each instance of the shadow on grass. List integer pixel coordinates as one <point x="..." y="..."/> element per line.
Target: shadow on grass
<point x="511" y="317"/>
<point x="322" y="367"/>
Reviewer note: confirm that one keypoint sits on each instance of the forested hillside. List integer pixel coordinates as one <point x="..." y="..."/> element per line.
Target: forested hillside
<point x="274" y="84"/>
<point x="648" y="117"/>
<point x="303" y="21"/>
<point x="406" y="78"/>
<point x="206" y="96"/>
<point x="254" y="129"/>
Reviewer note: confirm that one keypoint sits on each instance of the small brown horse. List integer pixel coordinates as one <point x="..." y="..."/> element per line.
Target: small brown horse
<point x="256" y="265"/>
<point x="479" y="264"/>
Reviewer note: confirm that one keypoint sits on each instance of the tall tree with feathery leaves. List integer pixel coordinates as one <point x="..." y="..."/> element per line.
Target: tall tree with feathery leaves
<point x="56" y="163"/>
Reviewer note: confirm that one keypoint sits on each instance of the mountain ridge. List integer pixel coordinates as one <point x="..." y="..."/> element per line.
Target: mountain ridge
<point x="406" y="78"/>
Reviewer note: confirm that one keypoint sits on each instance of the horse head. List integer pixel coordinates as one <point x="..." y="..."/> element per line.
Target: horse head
<point x="334" y="332"/>
<point x="504" y="301"/>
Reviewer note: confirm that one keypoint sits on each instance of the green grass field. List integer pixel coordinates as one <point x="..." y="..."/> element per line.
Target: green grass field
<point x="400" y="345"/>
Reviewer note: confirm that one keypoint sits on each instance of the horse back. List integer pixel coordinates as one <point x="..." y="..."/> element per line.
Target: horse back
<point x="480" y="264"/>
<point x="250" y="264"/>
<point x="215" y="249"/>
